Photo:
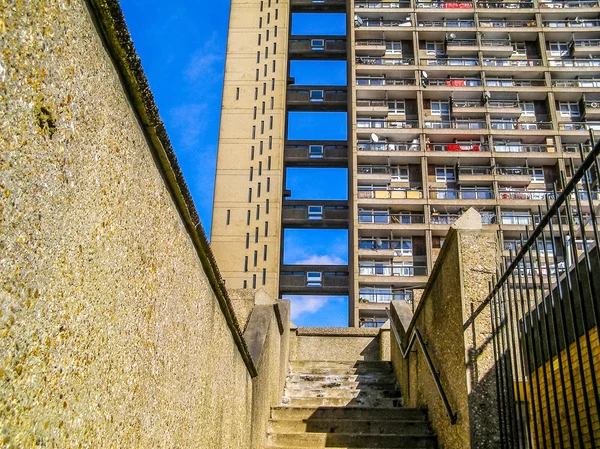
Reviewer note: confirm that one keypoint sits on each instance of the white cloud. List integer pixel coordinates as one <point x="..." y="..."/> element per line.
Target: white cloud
<point x="310" y="305"/>
<point x="204" y="62"/>
<point x="321" y="260"/>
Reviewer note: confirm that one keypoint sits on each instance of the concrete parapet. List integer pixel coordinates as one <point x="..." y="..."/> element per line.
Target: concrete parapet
<point x="335" y="344"/>
<point x="458" y="341"/>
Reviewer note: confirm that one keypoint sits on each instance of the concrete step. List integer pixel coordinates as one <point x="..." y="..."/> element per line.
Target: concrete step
<point x="370" y="426"/>
<point x="341" y="393"/>
<point x="339" y="363"/>
<point x="340" y="368"/>
<point x="365" y="401"/>
<point x="370" y="378"/>
<point x="353" y="440"/>
<point x="358" y="413"/>
<point x="345" y="385"/>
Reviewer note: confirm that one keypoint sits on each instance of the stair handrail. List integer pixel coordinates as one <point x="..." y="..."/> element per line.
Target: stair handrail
<point x="416" y="335"/>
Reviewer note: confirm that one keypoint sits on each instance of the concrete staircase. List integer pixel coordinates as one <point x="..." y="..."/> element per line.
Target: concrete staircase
<point x="346" y="405"/>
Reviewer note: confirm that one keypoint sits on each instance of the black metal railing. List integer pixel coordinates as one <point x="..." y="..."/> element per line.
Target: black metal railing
<point x="544" y="304"/>
<point x="416" y="336"/>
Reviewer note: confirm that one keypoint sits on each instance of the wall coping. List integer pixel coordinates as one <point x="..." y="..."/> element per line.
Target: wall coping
<point x="110" y="23"/>
<point x="337" y="332"/>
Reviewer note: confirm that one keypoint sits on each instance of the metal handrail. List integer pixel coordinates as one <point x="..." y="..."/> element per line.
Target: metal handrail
<point x="436" y="378"/>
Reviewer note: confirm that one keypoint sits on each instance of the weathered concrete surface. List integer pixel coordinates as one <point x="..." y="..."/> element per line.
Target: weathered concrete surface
<point x="112" y="335"/>
<point x="457" y="340"/>
<point x="335" y="343"/>
<point x="243" y="303"/>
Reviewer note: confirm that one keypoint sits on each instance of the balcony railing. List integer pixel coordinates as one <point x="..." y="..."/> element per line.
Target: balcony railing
<point x="382" y="123"/>
<point x="515" y="125"/>
<point x="475" y="171"/>
<point x="464" y="62"/>
<point x="579" y="126"/>
<point x="448" y="219"/>
<point x="444" y="4"/>
<point x="576" y="83"/>
<point x="365" y="217"/>
<point x="369" y="297"/>
<point x="462" y="42"/>
<point x="385" y="23"/>
<point x="379" y="5"/>
<point x="467" y="124"/>
<point x="390" y="269"/>
<point x="436" y="146"/>
<point x="372" y="103"/>
<point x="454" y="82"/>
<point x="507" y="5"/>
<point x="386" y="81"/>
<point x="455" y="194"/>
<point x="403" y="247"/>
<point x="375" y="170"/>
<point x="590" y="62"/>
<point x="397" y="193"/>
<point x="586" y="43"/>
<point x="574" y="148"/>
<point x="524" y="194"/>
<point x="381" y="146"/>
<point x="578" y="23"/>
<point x="503" y="104"/>
<point x="512" y="171"/>
<point x="447" y="23"/>
<point x="491" y="23"/>
<point x="496" y="43"/>
<point x="384" y="61"/>
<point x="569" y="4"/>
<point x="498" y="62"/>
<point x="522" y="148"/>
<point x="490" y="82"/>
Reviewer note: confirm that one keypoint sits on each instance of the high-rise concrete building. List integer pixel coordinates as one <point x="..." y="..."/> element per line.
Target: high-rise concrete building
<point x="450" y="105"/>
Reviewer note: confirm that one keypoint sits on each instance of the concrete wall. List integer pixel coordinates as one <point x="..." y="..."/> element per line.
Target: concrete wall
<point x="457" y="338"/>
<point x="113" y="332"/>
<point x="334" y="344"/>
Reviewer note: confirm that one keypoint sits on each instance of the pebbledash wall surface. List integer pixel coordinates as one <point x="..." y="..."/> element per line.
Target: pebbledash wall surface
<point x="114" y="328"/>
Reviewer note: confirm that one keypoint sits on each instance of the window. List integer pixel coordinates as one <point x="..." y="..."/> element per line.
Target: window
<point x="399" y="174"/>
<point x="516" y="218"/>
<point x="403" y="246"/>
<point x="440" y="108"/>
<point x="315" y="212"/>
<point x="315" y="151"/>
<point x="396" y="107"/>
<point x="394" y="48"/>
<point x="569" y="109"/>
<point x="506" y="123"/>
<point x="373" y="216"/>
<point x="317" y="44"/>
<point x="445" y="174"/>
<point x="527" y="109"/>
<point x="537" y="175"/>
<point x="519" y="49"/>
<point x="435" y="48"/>
<point x="500" y="82"/>
<point x="559" y="49"/>
<point x="317" y="96"/>
<point x="508" y="147"/>
<point x="314" y="279"/>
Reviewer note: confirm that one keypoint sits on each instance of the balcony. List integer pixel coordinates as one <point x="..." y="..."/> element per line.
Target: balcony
<point x="516" y="125"/>
<point x="377" y="247"/>
<point x="591" y="109"/>
<point x="317" y="98"/>
<point x="464" y="124"/>
<point x="315" y="214"/>
<point x="499" y="62"/>
<point x="579" y="126"/>
<point x="378" y="295"/>
<point x="390" y="194"/>
<point x="456" y="47"/>
<point x="445" y="219"/>
<point x="316" y="153"/>
<point x="525" y="194"/>
<point x="473" y="176"/>
<point x="574" y="62"/>
<point x="391" y="146"/>
<point x="568" y="4"/>
<point x="577" y="23"/>
<point x="369" y="22"/>
<point x="514" y="176"/>
<point x="510" y="82"/>
<point x="497" y="47"/>
<point x="314" y="280"/>
<point x="483" y="193"/>
<point x="581" y="82"/>
<point x="372" y="106"/>
<point x="389" y="269"/>
<point x="363" y="61"/>
<point x="317" y="47"/>
<point x="584" y="47"/>
<point x="504" y="108"/>
<point x="494" y="23"/>
<point x="437" y="146"/>
<point x="523" y="148"/>
<point x="454" y="62"/>
<point x="359" y="4"/>
<point x="454" y="82"/>
<point x="386" y="123"/>
<point x="386" y="218"/>
<point x="318" y="5"/>
<point x="373" y="81"/>
<point x="505" y="5"/>
<point x="369" y="47"/>
<point x="442" y="4"/>
<point x="473" y="108"/>
<point x="447" y="23"/>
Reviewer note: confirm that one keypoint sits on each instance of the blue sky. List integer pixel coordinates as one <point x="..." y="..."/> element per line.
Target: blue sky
<point x="183" y="54"/>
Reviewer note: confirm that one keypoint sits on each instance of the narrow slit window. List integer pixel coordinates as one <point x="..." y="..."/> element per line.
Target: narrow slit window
<point x="250" y="195"/>
<point x="269" y="163"/>
<point x="255" y="258"/>
<point x="228" y="216"/>
<point x="264" y="276"/>
<point x="266" y="228"/>
<point x="248" y="218"/>
<point x="266" y="206"/>
<point x="245" y="264"/>
<point x="257" y="211"/>
<point x="253" y="281"/>
<point x="237" y="93"/>
<point x="256" y="235"/>
<point x="265" y="252"/>
<point x="247" y="240"/>
<point x="268" y="185"/>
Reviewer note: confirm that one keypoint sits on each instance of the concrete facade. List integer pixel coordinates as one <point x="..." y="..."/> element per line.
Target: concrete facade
<point x="116" y="328"/>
